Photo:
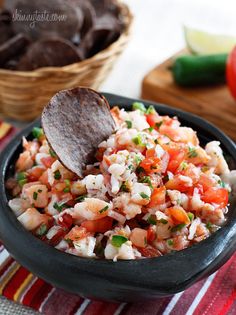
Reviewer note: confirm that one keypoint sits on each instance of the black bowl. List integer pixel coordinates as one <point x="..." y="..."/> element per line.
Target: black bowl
<point x="122" y="280"/>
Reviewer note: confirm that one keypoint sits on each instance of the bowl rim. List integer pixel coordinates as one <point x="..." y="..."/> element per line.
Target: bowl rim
<point x="227" y="232"/>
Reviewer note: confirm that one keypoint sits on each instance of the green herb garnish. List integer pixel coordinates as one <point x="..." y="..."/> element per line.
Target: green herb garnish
<point x="42" y="230"/>
<point x="35" y="195"/>
<point x="150" y="129"/>
<point x="152" y="220"/>
<point x="144" y="196"/>
<point x="192" y="153"/>
<point x="178" y="227"/>
<point x="140" y="106"/>
<point x="209" y="225"/>
<point x="37" y="132"/>
<point x="158" y="124"/>
<point x="118" y="240"/>
<point x="146" y="179"/>
<point x="104" y="209"/>
<point x="170" y="242"/>
<point x="191" y="216"/>
<point x="58" y="207"/>
<point x="80" y="198"/>
<point x="138" y="140"/>
<point x="52" y="153"/>
<point x="163" y="221"/>
<point x="137" y="159"/>
<point x="139" y="169"/>
<point x="124" y="187"/>
<point x="150" y="110"/>
<point x="183" y="166"/>
<point x="21" y="178"/>
<point x="57" y="175"/>
<point x="129" y="124"/>
<point x="221" y="183"/>
<point x="67" y="188"/>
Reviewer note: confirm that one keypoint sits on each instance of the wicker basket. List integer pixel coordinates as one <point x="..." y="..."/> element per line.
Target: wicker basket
<point x="24" y="94"/>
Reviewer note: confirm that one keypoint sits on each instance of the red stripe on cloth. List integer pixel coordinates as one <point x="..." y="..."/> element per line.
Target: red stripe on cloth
<point x="62" y="303"/>
<point x="146" y="308"/>
<point x="187" y="298"/>
<point x="40" y="296"/>
<point x="101" y="308"/>
<point x="219" y="290"/>
<point x="228" y="302"/>
<point x="4" y="267"/>
<point x="32" y="292"/>
<point x="14" y="283"/>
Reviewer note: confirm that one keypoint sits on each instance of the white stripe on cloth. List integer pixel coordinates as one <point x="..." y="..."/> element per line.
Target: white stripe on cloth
<point x="120" y="309"/>
<point x="28" y="288"/>
<point x="4" y="255"/>
<point x="82" y="307"/>
<point x="172" y="303"/>
<point x="200" y="294"/>
<point x="46" y="299"/>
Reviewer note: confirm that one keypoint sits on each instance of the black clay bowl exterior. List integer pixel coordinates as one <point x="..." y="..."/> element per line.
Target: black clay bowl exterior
<point x="122" y="280"/>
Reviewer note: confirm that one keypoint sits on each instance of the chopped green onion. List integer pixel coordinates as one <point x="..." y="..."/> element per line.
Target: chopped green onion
<point x="20" y="176"/>
<point x="118" y="240"/>
<point x="178" y="227"/>
<point x="191" y="216"/>
<point x="137" y="159"/>
<point x="221" y="183"/>
<point x="150" y="110"/>
<point x="140" y="106"/>
<point x="209" y="225"/>
<point x="130" y="167"/>
<point x="80" y="198"/>
<point x="170" y="242"/>
<point x="183" y="166"/>
<point x="124" y="187"/>
<point x="192" y="153"/>
<point x="57" y="175"/>
<point x="37" y="132"/>
<point x="163" y="221"/>
<point x="144" y="196"/>
<point x="104" y="209"/>
<point x="66" y="189"/>
<point x="138" y="140"/>
<point x="146" y="179"/>
<point x="158" y="124"/>
<point x="152" y="220"/>
<point x="58" y="207"/>
<point x="129" y="124"/>
<point x="150" y="129"/>
<point x="52" y="153"/>
<point x="42" y="230"/>
<point x="35" y="195"/>
<point x="22" y="182"/>
<point x="139" y="169"/>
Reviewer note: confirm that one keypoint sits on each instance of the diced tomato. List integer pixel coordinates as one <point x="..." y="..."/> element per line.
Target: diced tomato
<point x="192" y="172"/>
<point x="35" y="173"/>
<point x="99" y="154"/>
<point x="216" y="195"/>
<point x="76" y="233"/>
<point x="176" y="154"/>
<point x="57" y="237"/>
<point x="152" y="119"/>
<point x="150" y="252"/>
<point x="101" y="225"/>
<point x="158" y="197"/>
<point x="65" y="220"/>
<point x="179" y="215"/>
<point x="206" y="182"/>
<point x="44" y="179"/>
<point x="151" y="235"/>
<point x="177" y="183"/>
<point x="151" y="165"/>
<point x="150" y="152"/>
<point x="48" y="161"/>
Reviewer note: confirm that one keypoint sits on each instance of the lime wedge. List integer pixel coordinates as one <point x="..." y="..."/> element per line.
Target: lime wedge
<point x="203" y="43"/>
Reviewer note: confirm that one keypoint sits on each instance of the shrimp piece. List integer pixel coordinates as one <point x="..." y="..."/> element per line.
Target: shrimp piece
<point x="125" y="205"/>
<point x="91" y="209"/>
<point x="44" y="147"/>
<point x="24" y="162"/>
<point x="78" y="188"/>
<point x="200" y="156"/>
<point x="125" y="137"/>
<point x="217" y="159"/>
<point x="32" y="218"/>
<point x="139" y="237"/>
<point x="31" y="146"/>
<point x="37" y="195"/>
<point x="141" y="194"/>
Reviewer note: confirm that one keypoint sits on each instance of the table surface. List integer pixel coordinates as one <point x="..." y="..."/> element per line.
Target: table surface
<point x="157" y="34"/>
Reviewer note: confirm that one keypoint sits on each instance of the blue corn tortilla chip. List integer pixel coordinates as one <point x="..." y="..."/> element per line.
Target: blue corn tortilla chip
<point x="75" y="122"/>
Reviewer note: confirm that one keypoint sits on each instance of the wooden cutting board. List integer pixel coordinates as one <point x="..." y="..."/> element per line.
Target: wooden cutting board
<point x="212" y="103"/>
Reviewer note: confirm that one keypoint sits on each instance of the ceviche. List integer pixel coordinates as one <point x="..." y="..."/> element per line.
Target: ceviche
<point x="152" y="190"/>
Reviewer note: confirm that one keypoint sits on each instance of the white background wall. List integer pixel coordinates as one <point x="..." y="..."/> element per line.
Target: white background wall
<point x="158" y="33"/>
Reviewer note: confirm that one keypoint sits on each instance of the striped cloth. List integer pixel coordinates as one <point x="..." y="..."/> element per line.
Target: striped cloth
<point x="215" y="295"/>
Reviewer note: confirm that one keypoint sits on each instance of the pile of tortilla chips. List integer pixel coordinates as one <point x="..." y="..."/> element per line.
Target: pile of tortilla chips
<point x="35" y="34"/>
